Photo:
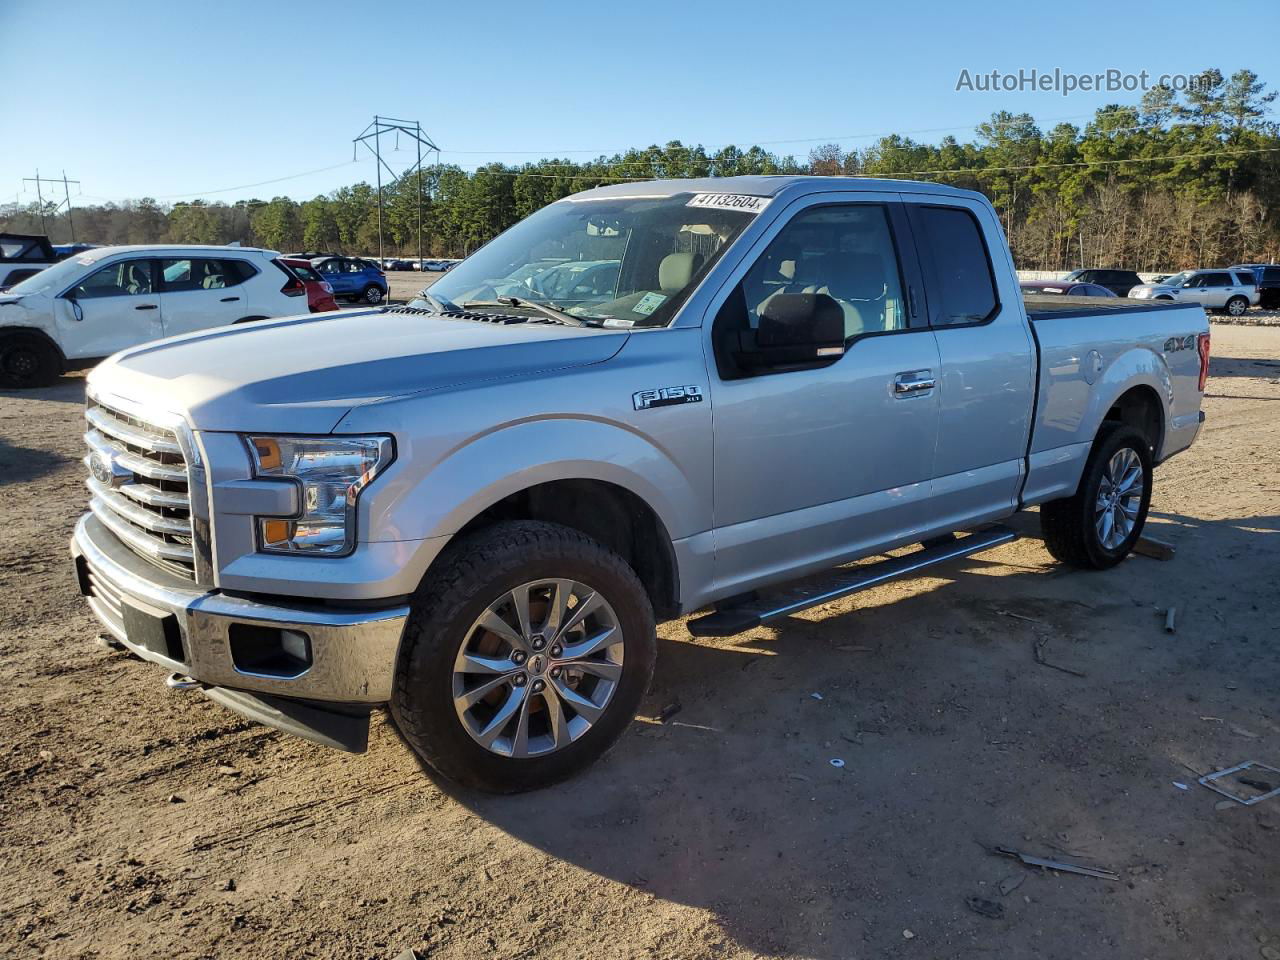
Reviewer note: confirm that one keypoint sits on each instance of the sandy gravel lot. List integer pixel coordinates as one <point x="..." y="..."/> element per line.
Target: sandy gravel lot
<point x="726" y="832"/>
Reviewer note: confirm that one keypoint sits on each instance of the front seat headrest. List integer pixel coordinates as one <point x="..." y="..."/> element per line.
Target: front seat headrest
<point x="677" y="269"/>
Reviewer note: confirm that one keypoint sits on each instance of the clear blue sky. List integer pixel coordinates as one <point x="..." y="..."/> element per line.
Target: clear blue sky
<point x="174" y="100"/>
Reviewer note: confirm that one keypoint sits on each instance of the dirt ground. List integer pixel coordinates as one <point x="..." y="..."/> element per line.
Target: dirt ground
<point x="727" y="831"/>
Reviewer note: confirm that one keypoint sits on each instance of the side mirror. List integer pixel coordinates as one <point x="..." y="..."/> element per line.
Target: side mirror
<point x="798" y="328"/>
<point x="76" y="309"/>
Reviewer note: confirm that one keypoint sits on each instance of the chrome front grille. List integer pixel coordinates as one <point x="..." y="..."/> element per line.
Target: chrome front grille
<point x="138" y="485"/>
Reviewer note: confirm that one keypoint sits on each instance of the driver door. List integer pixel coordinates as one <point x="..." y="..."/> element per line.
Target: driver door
<point x="815" y="464"/>
<point x="114" y="307"/>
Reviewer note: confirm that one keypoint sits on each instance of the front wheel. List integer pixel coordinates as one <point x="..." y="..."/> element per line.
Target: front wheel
<point x="525" y="657"/>
<point x="28" y="360"/>
<point x="1098" y="526"/>
<point x="372" y="294"/>
<point x="1236" y="306"/>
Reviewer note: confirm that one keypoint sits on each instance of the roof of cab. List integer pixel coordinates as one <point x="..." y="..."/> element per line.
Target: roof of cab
<point x="772" y="187"/>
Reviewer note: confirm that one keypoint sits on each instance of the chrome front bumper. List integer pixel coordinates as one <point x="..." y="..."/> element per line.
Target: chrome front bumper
<point x="352" y="653"/>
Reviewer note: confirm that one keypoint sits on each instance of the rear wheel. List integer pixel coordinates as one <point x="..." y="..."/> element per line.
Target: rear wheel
<point x="372" y="294"/>
<point x="1237" y="306"/>
<point x="1098" y="526"/>
<point x="27" y="360"/>
<point x="525" y="657"/>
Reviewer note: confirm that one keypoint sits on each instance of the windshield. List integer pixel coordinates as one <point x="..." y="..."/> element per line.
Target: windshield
<point x="627" y="260"/>
<point x="1177" y="279"/>
<point x="55" y="277"/>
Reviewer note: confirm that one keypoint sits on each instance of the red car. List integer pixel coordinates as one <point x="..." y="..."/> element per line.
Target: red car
<point x="319" y="293"/>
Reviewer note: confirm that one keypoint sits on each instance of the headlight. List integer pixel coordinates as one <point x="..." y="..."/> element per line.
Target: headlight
<point x="331" y="472"/>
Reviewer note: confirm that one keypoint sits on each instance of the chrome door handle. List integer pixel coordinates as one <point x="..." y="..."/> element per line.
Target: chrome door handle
<point x="146" y="306"/>
<point x="913" y="382"/>
<point x="228" y="299"/>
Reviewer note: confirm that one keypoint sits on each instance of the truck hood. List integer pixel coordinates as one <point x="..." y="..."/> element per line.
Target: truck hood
<point x="303" y="374"/>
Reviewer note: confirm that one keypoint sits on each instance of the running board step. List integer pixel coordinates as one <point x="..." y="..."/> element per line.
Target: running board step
<point x="841" y="582"/>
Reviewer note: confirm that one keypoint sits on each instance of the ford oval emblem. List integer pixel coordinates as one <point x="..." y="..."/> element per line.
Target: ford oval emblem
<point x="103" y="469"/>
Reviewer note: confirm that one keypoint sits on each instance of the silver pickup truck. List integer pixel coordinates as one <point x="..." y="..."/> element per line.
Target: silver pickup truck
<point x="473" y="508"/>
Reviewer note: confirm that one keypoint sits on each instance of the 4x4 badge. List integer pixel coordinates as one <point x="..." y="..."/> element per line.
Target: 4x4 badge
<point x="666" y="397"/>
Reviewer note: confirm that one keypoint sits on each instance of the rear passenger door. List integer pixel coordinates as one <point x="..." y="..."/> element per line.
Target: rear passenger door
<point x="986" y="380"/>
<point x="820" y="461"/>
<point x="1215" y="289"/>
<point x="199" y="292"/>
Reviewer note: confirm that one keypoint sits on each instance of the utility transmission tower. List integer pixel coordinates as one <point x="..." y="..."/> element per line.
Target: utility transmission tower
<point x="374" y="132"/>
<point x="66" y="193"/>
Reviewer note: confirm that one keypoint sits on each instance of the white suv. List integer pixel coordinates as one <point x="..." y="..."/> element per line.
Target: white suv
<point x="1231" y="291"/>
<point x="89" y="306"/>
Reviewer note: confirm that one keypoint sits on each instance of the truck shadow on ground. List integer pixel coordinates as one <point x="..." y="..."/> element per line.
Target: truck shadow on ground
<point x="950" y="736"/>
<point x="1254" y="367"/>
<point x="21" y="464"/>
<point x="68" y="388"/>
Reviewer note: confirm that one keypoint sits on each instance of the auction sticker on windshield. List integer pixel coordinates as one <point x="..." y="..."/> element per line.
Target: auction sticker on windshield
<point x="729" y="201"/>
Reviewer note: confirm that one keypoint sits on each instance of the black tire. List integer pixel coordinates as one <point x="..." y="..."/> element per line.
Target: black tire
<point x="28" y="360"/>
<point x="372" y="294"/>
<point x="1236" y="306"/>
<point x="1068" y="525"/>
<point x="475" y="573"/>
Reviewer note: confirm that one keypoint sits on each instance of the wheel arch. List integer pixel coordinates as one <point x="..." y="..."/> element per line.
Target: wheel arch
<point x="610" y="514"/>
<point x="1140" y="407"/>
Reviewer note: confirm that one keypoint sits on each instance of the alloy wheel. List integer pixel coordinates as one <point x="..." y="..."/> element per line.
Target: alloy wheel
<point x="538" y="668"/>
<point x="1119" y="498"/>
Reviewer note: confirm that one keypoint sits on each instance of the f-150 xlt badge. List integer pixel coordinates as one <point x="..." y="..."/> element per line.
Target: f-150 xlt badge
<point x="666" y="397"/>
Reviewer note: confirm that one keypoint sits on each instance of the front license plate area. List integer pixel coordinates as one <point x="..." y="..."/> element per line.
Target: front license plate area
<point x="153" y="631"/>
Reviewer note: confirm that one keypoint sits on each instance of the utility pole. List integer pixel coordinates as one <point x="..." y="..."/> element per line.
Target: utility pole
<point x="374" y="132"/>
<point x="66" y="192"/>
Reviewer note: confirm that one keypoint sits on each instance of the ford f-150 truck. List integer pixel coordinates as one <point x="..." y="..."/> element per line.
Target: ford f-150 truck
<point x="472" y="509"/>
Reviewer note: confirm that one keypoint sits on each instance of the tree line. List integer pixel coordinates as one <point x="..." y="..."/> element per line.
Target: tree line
<point x="1178" y="180"/>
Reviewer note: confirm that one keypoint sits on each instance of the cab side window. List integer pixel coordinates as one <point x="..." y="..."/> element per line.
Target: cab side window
<point x="124" y="279"/>
<point x="845" y="252"/>
<point x="964" y="287"/>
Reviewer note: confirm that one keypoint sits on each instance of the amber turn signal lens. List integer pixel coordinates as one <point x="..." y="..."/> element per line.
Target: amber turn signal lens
<point x="268" y="452"/>
<point x="275" y="531"/>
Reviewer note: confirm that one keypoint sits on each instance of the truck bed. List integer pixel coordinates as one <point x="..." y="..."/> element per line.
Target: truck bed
<point x="1050" y="307"/>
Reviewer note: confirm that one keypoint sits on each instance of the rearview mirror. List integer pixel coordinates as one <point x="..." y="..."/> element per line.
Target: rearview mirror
<point x="796" y="329"/>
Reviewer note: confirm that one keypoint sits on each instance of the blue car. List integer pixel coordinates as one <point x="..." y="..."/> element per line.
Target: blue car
<point x="353" y="278"/>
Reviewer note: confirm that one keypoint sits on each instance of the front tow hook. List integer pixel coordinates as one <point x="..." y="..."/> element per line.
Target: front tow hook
<point x="180" y="681"/>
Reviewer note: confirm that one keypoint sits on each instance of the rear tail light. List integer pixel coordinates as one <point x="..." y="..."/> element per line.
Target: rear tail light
<point x="293" y="287"/>
<point x="1202" y="345"/>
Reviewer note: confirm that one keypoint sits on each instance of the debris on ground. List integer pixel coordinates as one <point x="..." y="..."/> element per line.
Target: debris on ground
<point x="984" y="907"/>
<point x="908" y="935"/>
<point x="837" y="762"/>
<point x="410" y="954"/>
<point x="1169" y="618"/>
<point x="1040" y="644"/>
<point x="1018" y="616"/>
<point x="1181" y="786"/>
<point x="1099" y="873"/>
<point x="1010" y="884"/>
<point x="669" y="711"/>
<point x="174" y="798"/>
<point x="1211" y="780"/>
<point x="228" y="771"/>
<point x="816" y="696"/>
<point x="1155" y="549"/>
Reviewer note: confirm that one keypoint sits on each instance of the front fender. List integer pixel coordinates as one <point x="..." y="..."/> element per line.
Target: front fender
<point x="515" y="457"/>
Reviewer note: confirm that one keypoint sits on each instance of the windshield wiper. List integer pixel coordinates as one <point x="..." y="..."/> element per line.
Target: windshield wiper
<point x="437" y="304"/>
<point x="555" y="314"/>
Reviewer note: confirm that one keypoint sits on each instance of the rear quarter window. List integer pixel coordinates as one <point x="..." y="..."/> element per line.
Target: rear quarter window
<point x="956" y="256"/>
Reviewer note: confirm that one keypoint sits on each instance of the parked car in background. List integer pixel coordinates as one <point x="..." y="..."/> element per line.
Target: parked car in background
<point x="23" y="255"/>
<point x="353" y="278"/>
<point x="319" y="294"/>
<point x="1267" y="276"/>
<point x="76" y="312"/>
<point x="64" y="250"/>
<point x="1119" y="282"/>
<point x="438" y="266"/>
<point x="1227" y="291"/>
<point x="1066" y="288"/>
